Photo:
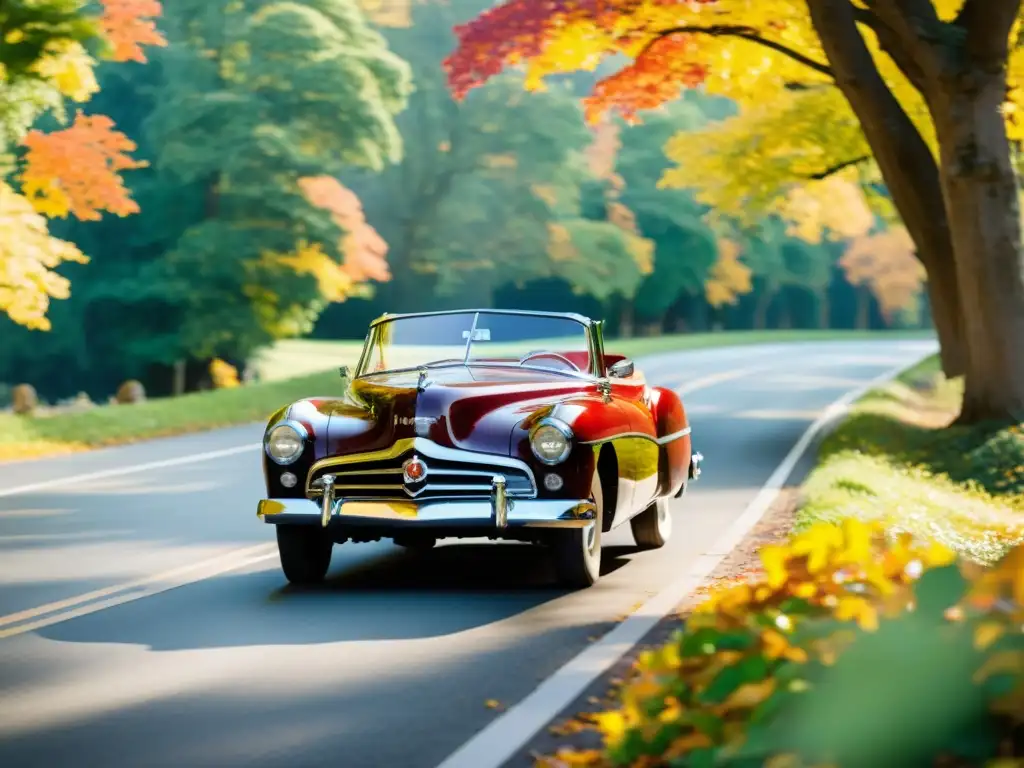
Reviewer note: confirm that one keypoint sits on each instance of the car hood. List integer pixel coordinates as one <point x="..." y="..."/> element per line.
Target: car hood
<point x="461" y="407"/>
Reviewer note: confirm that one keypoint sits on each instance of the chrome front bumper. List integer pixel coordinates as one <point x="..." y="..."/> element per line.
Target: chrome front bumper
<point x="475" y="514"/>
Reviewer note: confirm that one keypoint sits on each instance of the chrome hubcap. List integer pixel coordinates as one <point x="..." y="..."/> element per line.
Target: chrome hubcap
<point x="591" y="538"/>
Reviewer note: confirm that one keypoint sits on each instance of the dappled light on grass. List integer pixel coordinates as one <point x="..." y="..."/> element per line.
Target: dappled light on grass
<point x="895" y="460"/>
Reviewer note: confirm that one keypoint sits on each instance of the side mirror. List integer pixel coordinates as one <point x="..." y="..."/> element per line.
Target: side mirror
<point x="622" y="369"/>
<point x="344" y="372"/>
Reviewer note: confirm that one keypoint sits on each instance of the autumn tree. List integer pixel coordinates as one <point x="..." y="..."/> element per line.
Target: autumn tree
<point x="263" y="105"/>
<point x="686" y="246"/>
<point x="46" y="60"/>
<point x="925" y="93"/>
<point x="884" y="264"/>
<point x="489" y="189"/>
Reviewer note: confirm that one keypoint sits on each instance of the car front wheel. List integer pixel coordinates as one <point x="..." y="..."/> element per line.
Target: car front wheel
<point x="652" y="528"/>
<point x="305" y="553"/>
<point x="578" y="551"/>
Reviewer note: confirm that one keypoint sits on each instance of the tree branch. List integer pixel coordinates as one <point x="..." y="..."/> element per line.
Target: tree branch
<point x="834" y="169"/>
<point x="917" y="40"/>
<point x="987" y="24"/>
<point x="743" y="33"/>
<point x="892" y="45"/>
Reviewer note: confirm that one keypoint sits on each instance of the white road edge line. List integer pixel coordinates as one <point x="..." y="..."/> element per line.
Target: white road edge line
<point x="59" y="480"/>
<point x="505" y="735"/>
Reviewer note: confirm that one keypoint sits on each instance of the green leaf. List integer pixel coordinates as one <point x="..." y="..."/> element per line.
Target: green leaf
<point x="709" y="640"/>
<point x="705" y="722"/>
<point x="748" y="670"/>
<point x="699" y="758"/>
<point x="938" y="589"/>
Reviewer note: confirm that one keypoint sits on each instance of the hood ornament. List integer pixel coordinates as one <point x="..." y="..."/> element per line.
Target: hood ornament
<point x="422" y="383"/>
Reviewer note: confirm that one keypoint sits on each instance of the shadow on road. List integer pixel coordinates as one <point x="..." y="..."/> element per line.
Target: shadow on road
<point x="398" y="596"/>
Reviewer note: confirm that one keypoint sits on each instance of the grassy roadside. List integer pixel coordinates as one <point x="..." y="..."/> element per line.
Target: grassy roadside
<point x="299" y="357"/>
<point x="893" y="460"/>
<point x="290" y="370"/>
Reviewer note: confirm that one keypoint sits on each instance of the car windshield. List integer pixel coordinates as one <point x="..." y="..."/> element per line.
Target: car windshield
<point x="544" y="342"/>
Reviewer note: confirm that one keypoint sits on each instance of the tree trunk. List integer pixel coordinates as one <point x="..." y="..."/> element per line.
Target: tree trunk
<point x="980" y="189"/>
<point x="762" y="304"/>
<point x="178" y="382"/>
<point x="824" y="309"/>
<point x="785" y="315"/>
<point x="863" y="319"/>
<point x="626" y="319"/>
<point x="906" y="163"/>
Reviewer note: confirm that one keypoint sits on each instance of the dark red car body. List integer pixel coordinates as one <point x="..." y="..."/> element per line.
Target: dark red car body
<point x="634" y="435"/>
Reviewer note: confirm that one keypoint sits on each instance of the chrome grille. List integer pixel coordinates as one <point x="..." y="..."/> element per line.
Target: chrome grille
<point x="450" y="474"/>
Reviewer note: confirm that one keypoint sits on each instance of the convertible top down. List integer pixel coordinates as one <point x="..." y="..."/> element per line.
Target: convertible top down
<point x="478" y="423"/>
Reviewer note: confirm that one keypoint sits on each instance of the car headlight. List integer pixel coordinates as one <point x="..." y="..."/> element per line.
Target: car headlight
<point x="285" y="442"/>
<point x="551" y="441"/>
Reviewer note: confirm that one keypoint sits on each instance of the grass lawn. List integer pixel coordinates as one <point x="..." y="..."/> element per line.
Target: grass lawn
<point x="894" y="460"/>
<point x="291" y="370"/>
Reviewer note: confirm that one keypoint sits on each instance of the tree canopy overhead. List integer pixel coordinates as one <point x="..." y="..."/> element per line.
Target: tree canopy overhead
<point x="923" y="95"/>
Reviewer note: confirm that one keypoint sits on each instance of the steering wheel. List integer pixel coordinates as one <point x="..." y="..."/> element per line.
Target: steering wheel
<point x="555" y="355"/>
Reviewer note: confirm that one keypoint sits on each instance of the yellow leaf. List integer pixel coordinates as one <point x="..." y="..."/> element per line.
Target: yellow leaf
<point x="1003" y="662"/>
<point x="28" y="254"/>
<point x="612" y="725"/>
<point x="775" y="558"/>
<point x="749" y="695"/>
<point x="987" y="633"/>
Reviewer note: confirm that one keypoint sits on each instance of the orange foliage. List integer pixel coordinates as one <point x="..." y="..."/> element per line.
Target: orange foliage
<point x="75" y="170"/>
<point x="729" y="278"/>
<point x="128" y="25"/>
<point x="657" y="76"/>
<point x="365" y="250"/>
<point x="886" y="264"/>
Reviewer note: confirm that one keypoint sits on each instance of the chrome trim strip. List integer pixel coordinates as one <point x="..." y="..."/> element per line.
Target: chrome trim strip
<point x="521" y="312"/>
<point x="658" y="440"/>
<point x="674" y="436"/>
<point x="474" y="514"/>
<point x="427" y="449"/>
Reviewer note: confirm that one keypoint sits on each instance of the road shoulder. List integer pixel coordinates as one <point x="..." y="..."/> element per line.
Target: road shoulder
<point x="570" y="729"/>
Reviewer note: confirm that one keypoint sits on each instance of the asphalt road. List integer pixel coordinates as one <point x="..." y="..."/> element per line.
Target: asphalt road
<point x="144" y="620"/>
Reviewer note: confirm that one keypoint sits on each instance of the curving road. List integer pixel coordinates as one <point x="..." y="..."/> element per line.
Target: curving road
<point x="144" y="620"/>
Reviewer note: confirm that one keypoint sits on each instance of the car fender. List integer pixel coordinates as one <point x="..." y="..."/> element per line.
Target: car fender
<point x="595" y="422"/>
<point x="672" y="428"/>
<point x="313" y="414"/>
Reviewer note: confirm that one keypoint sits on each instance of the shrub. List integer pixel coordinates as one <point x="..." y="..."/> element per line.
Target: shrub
<point x="131" y="391"/>
<point x="223" y="375"/>
<point x="24" y="400"/>
<point x="852" y="650"/>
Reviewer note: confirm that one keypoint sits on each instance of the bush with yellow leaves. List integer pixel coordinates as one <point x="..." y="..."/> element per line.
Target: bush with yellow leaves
<point x="854" y="650"/>
<point x="224" y="375"/>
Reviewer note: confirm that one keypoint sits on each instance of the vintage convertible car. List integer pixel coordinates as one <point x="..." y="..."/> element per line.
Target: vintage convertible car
<point x="478" y="423"/>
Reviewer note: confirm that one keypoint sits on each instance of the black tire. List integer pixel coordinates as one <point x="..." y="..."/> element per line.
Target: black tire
<point x="577" y="551"/>
<point x="305" y="552"/>
<point x="652" y="528"/>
